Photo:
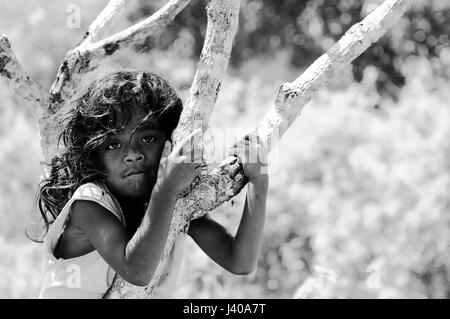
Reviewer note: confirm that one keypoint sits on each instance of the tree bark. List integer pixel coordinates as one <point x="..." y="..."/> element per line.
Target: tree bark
<point x="35" y="97"/>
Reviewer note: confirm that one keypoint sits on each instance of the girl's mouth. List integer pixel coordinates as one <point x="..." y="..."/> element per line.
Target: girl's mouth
<point x="136" y="172"/>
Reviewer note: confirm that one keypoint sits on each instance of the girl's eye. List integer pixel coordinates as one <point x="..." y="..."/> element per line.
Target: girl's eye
<point x="113" y="145"/>
<point x="148" y="139"/>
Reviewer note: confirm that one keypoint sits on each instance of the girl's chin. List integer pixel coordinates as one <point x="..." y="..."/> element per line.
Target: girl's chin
<point x="136" y="186"/>
<point x="141" y="187"/>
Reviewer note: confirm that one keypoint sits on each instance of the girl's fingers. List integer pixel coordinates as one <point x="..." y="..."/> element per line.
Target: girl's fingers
<point x="181" y="159"/>
<point x="197" y="161"/>
<point x="197" y="172"/>
<point x="167" y="149"/>
<point x="239" y="150"/>
<point x="196" y="155"/>
<point x="252" y="136"/>
<point x="250" y="154"/>
<point x="186" y="143"/>
<point x="242" y="144"/>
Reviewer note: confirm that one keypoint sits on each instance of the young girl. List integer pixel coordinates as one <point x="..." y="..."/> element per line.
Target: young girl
<point x="111" y="193"/>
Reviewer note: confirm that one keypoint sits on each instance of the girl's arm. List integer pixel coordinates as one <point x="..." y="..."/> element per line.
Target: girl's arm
<point x="134" y="259"/>
<point x="238" y="254"/>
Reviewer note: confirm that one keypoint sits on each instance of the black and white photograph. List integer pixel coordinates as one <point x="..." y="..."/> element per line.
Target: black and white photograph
<point x="232" y="150"/>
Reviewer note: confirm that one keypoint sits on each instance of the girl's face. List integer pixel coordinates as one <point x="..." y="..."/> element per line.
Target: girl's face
<point x="131" y="161"/>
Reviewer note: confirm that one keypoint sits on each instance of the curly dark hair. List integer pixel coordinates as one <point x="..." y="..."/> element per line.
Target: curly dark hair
<point x="89" y="118"/>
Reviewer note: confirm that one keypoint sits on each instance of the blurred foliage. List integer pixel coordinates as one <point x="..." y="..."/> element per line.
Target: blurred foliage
<point x="307" y="28"/>
<point x="359" y="198"/>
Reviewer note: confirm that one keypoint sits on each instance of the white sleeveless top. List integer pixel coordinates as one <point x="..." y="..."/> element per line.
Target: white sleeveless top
<point x="89" y="276"/>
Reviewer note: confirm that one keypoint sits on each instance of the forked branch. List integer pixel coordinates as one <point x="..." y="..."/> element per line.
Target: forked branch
<point x="86" y="55"/>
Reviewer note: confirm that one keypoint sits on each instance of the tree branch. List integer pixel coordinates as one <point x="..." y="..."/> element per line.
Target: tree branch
<point x="37" y="100"/>
<point x="292" y="97"/>
<point x="139" y="31"/>
<point x="19" y="82"/>
<point x="226" y="181"/>
<point x="222" y="26"/>
<point x="103" y="23"/>
<point x="82" y="58"/>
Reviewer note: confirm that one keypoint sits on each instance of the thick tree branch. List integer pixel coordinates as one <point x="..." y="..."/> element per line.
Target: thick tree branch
<point x="222" y="26"/>
<point x="19" y="82"/>
<point x="85" y="56"/>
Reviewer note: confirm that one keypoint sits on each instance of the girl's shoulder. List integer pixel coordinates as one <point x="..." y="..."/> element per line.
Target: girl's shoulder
<point x="98" y="192"/>
<point x="91" y="191"/>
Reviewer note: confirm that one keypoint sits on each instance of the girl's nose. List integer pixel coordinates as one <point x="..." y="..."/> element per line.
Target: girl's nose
<point x="134" y="155"/>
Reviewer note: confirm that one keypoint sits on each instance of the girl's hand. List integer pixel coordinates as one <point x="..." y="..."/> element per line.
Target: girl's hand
<point x="253" y="156"/>
<point x="178" y="168"/>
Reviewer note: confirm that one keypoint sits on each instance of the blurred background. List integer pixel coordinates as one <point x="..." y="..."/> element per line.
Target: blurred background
<point x="359" y="200"/>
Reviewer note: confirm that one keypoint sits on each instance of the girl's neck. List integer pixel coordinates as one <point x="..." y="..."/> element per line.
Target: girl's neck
<point x="133" y="210"/>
